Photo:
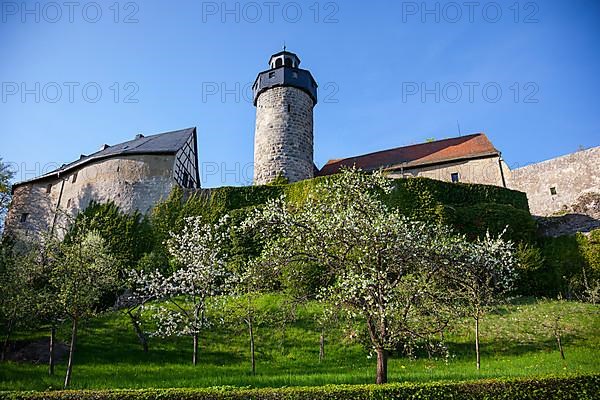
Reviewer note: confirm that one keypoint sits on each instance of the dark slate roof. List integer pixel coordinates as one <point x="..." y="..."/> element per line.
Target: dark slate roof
<point x="162" y="143"/>
<point x="439" y="151"/>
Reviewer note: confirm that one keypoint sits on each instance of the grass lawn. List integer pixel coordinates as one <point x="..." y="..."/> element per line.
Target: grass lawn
<point x="513" y="344"/>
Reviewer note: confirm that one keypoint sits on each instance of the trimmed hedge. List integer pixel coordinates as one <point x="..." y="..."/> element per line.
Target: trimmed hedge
<point x="564" y="388"/>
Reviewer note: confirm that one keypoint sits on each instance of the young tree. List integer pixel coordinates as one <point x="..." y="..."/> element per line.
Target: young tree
<point x="84" y="271"/>
<point x="385" y="268"/>
<point x="482" y="275"/>
<point x="326" y="320"/>
<point x="132" y="304"/>
<point x="203" y="275"/>
<point x="242" y="308"/>
<point x="555" y="321"/>
<point x="48" y="311"/>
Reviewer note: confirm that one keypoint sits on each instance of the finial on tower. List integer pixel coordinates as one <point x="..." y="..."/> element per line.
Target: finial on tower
<point x="284" y="46"/>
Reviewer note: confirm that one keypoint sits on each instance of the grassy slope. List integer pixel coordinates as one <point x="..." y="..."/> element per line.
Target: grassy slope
<point x="110" y="357"/>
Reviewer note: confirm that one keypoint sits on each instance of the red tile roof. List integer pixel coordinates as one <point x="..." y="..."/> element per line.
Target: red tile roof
<point x="463" y="147"/>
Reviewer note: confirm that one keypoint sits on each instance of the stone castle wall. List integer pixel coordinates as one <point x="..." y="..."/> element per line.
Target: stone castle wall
<point x="135" y="182"/>
<point x="283" y="140"/>
<point x="484" y="171"/>
<point x="560" y="184"/>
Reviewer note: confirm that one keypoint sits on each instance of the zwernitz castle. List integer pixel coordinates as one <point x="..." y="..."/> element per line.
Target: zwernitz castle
<point x="138" y="173"/>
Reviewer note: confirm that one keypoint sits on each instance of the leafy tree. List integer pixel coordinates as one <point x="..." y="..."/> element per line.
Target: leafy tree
<point x="482" y="274"/>
<point x="84" y="270"/>
<point x="385" y="268"/>
<point x="6" y="174"/>
<point x="16" y="291"/>
<point x="46" y="308"/>
<point x="130" y="240"/>
<point x="202" y="276"/>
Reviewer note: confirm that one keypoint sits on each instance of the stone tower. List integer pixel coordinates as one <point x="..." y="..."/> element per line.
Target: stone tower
<point x="284" y="96"/>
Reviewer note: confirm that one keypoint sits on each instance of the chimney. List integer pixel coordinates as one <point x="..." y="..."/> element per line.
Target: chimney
<point x="138" y="136"/>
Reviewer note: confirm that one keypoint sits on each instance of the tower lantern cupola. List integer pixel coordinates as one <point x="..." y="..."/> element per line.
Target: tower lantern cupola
<point x="284" y="58"/>
<point x="284" y="96"/>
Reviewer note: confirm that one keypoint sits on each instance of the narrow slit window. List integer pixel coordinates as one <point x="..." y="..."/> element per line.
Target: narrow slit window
<point x="74" y="178"/>
<point x="49" y="188"/>
<point x="553" y="191"/>
<point x="24" y="217"/>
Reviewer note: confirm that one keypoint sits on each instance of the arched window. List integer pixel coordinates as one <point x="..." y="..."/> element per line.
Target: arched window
<point x="288" y="62"/>
<point x="278" y="63"/>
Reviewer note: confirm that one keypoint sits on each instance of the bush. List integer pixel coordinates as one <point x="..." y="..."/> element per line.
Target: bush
<point x="530" y="265"/>
<point x="565" y="388"/>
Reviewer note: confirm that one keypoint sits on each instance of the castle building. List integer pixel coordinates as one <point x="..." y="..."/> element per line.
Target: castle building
<point x="467" y="159"/>
<point x="135" y="175"/>
<point x="284" y="96"/>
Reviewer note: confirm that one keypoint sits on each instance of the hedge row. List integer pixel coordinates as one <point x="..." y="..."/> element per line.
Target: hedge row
<point x="564" y="388"/>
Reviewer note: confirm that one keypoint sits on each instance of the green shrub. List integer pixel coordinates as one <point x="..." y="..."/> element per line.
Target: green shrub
<point x="530" y="265"/>
<point x="566" y="388"/>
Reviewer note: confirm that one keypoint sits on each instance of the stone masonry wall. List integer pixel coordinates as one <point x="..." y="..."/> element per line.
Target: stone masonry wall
<point x="283" y="140"/>
<point x="135" y="182"/>
<point x="484" y="171"/>
<point x="559" y="184"/>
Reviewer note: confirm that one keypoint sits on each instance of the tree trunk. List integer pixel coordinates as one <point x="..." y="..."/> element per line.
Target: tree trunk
<point x="71" y="352"/>
<point x="322" y="345"/>
<point x="138" y="331"/>
<point x="195" y="354"/>
<point x="9" y="329"/>
<point x="560" y="348"/>
<point x="477" y="343"/>
<point x="382" y="360"/>
<point x="51" y="351"/>
<point x="252" y="357"/>
<point x="198" y="317"/>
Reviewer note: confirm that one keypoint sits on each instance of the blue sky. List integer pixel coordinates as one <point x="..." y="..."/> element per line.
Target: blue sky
<point x="391" y="73"/>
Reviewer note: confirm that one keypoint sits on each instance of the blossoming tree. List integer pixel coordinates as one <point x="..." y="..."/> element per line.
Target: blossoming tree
<point x="386" y="269"/>
<point x="199" y="249"/>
